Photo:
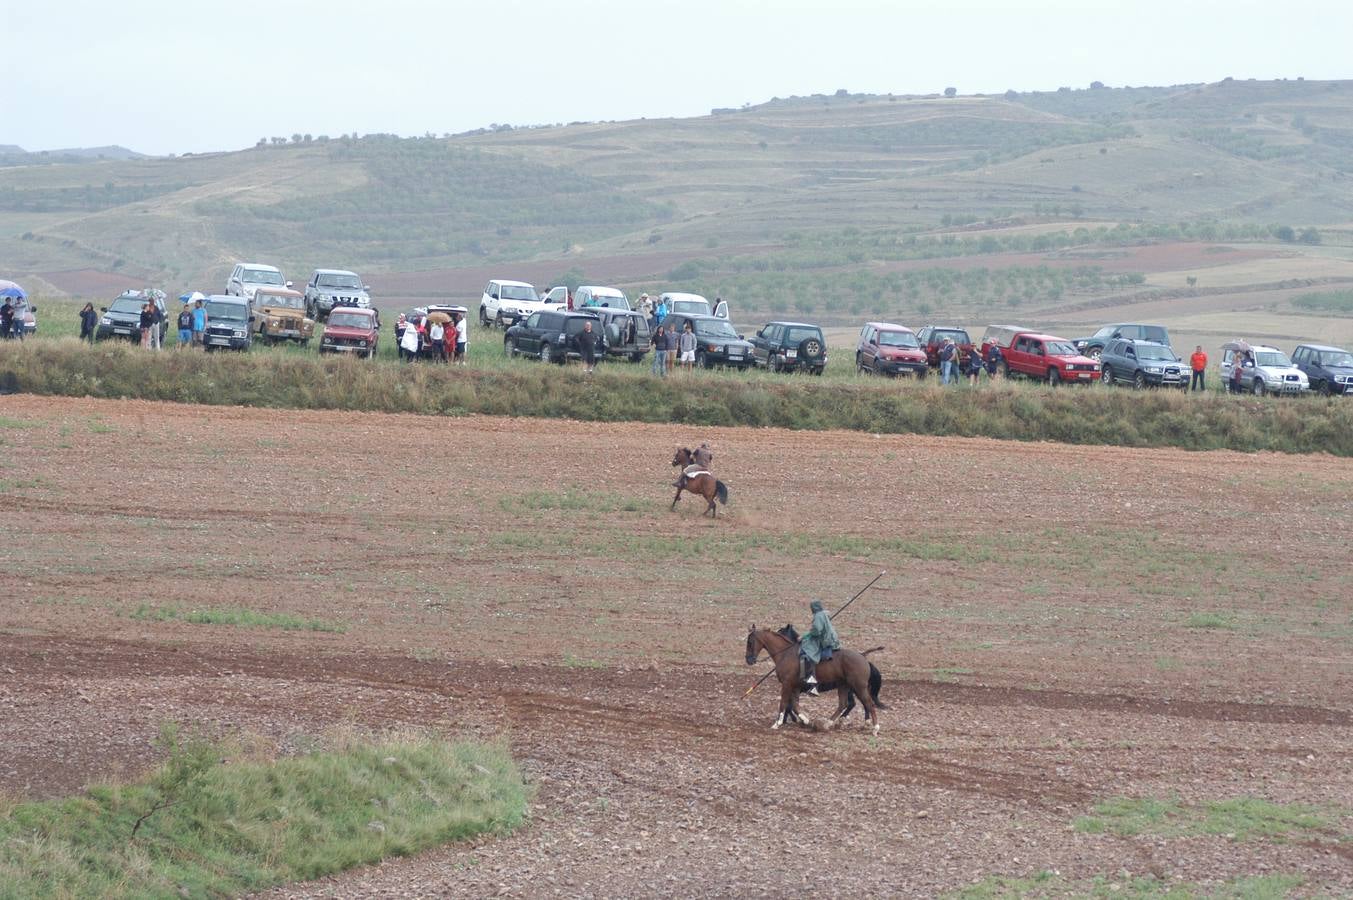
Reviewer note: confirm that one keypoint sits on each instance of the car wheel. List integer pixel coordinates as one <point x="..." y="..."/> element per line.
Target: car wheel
<point x="1094" y="352"/>
<point x="1005" y="370"/>
<point x="546" y="353"/>
<point x="483" y="318"/>
<point x="1106" y="376"/>
<point x="1054" y="377"/>
<point x="508" y="349"/>
<point x="1257" y="386"/>
<point x="1139" y="381"/>
<point x="775" y="364"/>
<point x="818" y="370"/>
<point x="1325" y="388"/>
<point x="702" y="361"/>
<point x="636" y="357"/>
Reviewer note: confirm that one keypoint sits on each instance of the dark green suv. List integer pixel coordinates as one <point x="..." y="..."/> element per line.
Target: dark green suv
<point x="1142" y="364"/>
<point x="717" y="342"/>
<point x="791" y="347"/>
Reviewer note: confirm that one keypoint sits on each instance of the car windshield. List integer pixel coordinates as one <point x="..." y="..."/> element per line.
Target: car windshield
<point x="350" y="282"/>
<point x="1061" y="348"/>
<point x="1275" y="358"/>
<point x="279" y="302"/>
<point x="715" y="328"/>
<point x="897" y="339"/>
<point x="127" y="305"/>
<point x="614" y="301"/>
<point x="957" y="335"/>
<point x="227" y="312"/>
<point x="518" y="292"/>
<point x="1155" y="333"/>
<point x="1107" y="331"/>
<point x="798" y="335"/>
<point x="690" y="307"/>
<point x="349" y="320"/>
<point x="1339" y="358"/>
<point x="1148" y="352"/>
<point x="262" y="276"/>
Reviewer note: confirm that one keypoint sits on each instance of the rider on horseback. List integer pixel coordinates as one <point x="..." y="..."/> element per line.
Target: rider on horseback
<point x="700" y="462"/>
<point x="818" y="644"/>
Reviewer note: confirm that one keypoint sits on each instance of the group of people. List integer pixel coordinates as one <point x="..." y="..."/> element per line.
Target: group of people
<point x="954" y="368"/>
<point x="11" y="322"/>
<point x="429" y="335"/>
<point x="671" y="347"/>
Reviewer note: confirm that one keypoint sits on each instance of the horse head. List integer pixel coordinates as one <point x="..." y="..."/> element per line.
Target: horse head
<point x="753" y="646"/>
<point x="682" y="457"/>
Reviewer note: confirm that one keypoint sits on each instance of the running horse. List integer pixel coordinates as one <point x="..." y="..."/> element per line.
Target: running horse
<point x="847" y="669"/>
<point x="701" y="483"/>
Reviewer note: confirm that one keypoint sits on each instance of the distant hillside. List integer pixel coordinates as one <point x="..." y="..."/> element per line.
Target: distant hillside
<point x="14" y="155"/>
<point x="794" y="184"/>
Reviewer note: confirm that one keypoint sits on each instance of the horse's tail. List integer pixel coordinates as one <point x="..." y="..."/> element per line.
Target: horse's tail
<point x="875" y="683"/>
<point x="721" y="491"/>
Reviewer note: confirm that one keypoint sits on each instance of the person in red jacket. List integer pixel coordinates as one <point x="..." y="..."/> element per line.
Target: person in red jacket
<point x="1199" y="362"/>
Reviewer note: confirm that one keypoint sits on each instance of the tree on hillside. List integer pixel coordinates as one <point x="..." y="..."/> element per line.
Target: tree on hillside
<point x="1012" y="94"/>
<point x="950" y="92"/>
<point x="296" y="138"/>
<point x="1309" y="236"/>
<point x="1285" y="233"/>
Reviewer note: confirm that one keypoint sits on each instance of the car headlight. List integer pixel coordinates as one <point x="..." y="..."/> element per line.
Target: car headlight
<point x="1080" y="345"/>
<point x="238" y="333"/>
<point x="105" y="321"/>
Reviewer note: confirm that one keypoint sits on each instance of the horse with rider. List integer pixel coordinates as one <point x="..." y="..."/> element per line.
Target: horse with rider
<point x="696" y="478"/>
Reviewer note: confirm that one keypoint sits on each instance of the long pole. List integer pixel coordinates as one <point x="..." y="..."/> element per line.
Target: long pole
<point x="832" y="616"/>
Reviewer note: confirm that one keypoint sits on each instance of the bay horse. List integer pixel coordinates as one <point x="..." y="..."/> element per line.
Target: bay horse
<point x="875" y="681"/>
<point x="847" y="669"/>
<point x="702" y="484"/>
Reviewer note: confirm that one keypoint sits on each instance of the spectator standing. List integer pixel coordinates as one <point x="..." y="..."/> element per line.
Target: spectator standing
<point x="6" y="319"/>
<point x="462" y="337"/>
<point x="946" y="354"/>
<point x="659" y="341"/>
<point x="1199" y="363"/>
<point x="199" y="323"/>
<point x="660" y="311"/>
<point x="669" y="344"/>
<point x="646" y="307"/>
<point x="974" y="367"/>
<point x="687" y="347"/>
<point x="1237" y="361"/>
<point x="156" y="326"/>
<point x="89" y="323"/>
<point x="185" y="326"/>
<point x="587" y="347"/>
<point x="437" y="335"/>
<point x="147" y="322"/>
<point x="408" y="342"/>
<point x="994" y="357"/>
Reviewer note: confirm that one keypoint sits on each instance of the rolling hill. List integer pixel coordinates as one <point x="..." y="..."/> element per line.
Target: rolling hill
<point x="798" y="198"/>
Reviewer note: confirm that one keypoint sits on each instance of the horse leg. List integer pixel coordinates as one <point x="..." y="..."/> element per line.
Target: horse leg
<point x="786" y="704"/>
<point x="712" y="511"/>
<point x="859" y="683"/>
<point x="842" y="696"/>
<point x="676" y="498"/>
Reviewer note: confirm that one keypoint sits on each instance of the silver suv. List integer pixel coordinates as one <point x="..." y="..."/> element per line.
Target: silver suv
<point x="330" y="288"/>
<point x="1263" y="370"/>
<point x="246" y="278"/>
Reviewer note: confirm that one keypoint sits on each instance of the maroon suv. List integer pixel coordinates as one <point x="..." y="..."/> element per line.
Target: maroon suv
<point x="350" y="329"/>
<point x="932" y="338"/>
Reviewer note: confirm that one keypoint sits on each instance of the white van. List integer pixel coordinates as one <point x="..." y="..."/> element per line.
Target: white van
<point x="693" y="305"/>
<point x="592" y="295"/>
<point x="507" y="302"/>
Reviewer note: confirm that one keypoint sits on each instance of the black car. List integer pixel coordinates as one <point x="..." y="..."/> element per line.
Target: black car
<point x="789" y="347"/>
<point x="717" y="342"/>
<point x="552" y="336"/>
<point x="1131" y="331"/>
<point x="1329" y="369"/>
<point x="123" y="318"/>
<point x="1142" y="364"/>
<point x="626" y="331"/>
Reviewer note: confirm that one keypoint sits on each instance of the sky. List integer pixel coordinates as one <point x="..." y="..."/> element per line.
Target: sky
<point x="198" y="75"/>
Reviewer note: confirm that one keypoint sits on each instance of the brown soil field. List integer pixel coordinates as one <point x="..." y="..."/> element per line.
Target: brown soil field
<point x="1061" y="626"/>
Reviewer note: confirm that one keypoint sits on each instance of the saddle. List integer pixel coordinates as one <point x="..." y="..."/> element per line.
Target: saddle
<point x="692" y="471"/>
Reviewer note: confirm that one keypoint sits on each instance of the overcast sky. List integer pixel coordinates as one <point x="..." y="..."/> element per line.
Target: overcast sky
<point x="194" y="75"/>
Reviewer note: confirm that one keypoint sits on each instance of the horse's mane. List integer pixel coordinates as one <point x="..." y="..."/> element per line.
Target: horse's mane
<point x="789" y="632"/>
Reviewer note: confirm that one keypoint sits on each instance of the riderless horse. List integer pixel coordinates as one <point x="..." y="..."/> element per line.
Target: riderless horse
<point x="699" y="482"/>
<point x="847" y="670"/>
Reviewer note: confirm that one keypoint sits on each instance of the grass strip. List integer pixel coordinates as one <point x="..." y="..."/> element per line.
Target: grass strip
<point x="209" y="828"/>
<point x="623" y="393"/>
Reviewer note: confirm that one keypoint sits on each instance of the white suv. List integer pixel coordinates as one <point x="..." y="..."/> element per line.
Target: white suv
<point x="246" y="278"/>
<point x="1262" y="370"/>
<point x="505" y="303"/>
<point x="592" y="295"/>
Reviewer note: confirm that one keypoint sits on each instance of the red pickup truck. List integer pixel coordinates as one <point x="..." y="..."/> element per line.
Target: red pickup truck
<point x="1047" y="358"/>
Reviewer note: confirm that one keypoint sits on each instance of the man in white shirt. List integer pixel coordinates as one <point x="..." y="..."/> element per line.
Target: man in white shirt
<point x="437" y="335"/>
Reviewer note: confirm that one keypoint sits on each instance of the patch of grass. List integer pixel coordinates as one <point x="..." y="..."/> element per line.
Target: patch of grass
<point x="14" y="424"/>
<point x="18" y="484"/>
<point x="1145" y="887"/>
<point x="1326" y="301"/>
<point x="1239" y="818"/>
<point x="233" y="615"/>
<point x="1220" y="620"/>
<point x="219" y="829"/>
<point x="574" y="662"/>
<point x="572" y="500"/>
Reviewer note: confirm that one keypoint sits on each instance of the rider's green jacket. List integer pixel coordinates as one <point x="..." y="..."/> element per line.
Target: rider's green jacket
<point x="820" y="634"/>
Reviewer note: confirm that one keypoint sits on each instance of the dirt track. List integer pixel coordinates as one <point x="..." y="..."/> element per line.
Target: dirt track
<point x="1063" y="625"/>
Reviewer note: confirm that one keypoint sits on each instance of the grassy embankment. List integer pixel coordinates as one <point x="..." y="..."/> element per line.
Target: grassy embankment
<point x="200" y="827"/>
<point x="622" y="392"/>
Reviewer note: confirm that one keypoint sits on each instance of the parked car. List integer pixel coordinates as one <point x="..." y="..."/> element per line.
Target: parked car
<point x="122" y="318"/>
<point x="550" y="334"/>
<point x="626" y="332"/>
<point x="25" y="314"/>
<point x="693" y="305"/>
<point x="351" y="330"/>
<point x="279" y="315"/>
<point x="790" y="347"/>
<point x="1142" y="364"/>
<point x="717" y="342"/>
<point x="1262" y="369"/>
<point x="1048" y="358"/>
<point x="590" y="295"/>
<point x="931" y="338"/>
<point x="1000" y="335"/>
<point x="1131" y="331"/>
<point x="228" y="323"/>
<point x="246" y="278"/>
<point x="505" y="303"/>
<point x="888" y="349"/>
<point x="1328" y="369"/>
<point x="330" y="288"/>
<point x="556" y="297"/>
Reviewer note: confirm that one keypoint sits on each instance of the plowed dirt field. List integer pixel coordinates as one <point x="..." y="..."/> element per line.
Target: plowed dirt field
<point x="1062" y="626"/>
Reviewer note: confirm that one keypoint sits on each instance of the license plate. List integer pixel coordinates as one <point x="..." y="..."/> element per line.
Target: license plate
<point x="225" y="341"/>
<point x="735" y="356"/>
<point x="1083" y="375"/>
<point x="122" y="331"/>
<point x="791" y="354"/>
